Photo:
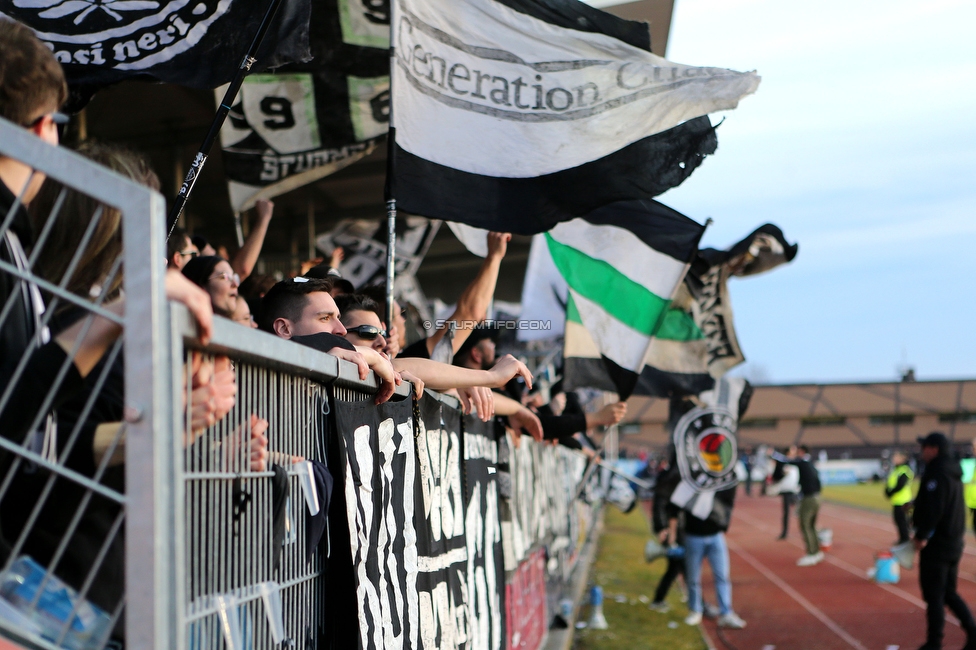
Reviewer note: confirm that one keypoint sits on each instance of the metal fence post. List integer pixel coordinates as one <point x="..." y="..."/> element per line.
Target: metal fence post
<point x="153" y="483"/>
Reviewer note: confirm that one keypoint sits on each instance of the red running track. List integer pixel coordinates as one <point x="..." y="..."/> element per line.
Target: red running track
<point x="829" y="606"/>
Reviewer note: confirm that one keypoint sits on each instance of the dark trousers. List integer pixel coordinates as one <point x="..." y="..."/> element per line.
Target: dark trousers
<point x="901" y="523"/>
<point x="676" y="567"/>
<point x="788" y="499"/>
<point x="938" y="581"/>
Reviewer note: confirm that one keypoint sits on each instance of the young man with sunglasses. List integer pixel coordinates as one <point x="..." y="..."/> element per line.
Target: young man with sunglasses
<point x="360" y="315"/>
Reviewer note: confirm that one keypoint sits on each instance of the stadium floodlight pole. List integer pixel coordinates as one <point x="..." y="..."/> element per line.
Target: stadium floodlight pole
<point x="235" y="86"/>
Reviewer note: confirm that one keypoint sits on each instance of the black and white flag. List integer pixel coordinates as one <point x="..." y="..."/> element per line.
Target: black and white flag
<point x="543" y="111"/>
<point x="486" y="560"/>
<point x="198" y="43"/>
<point x="309" y="120"/>
<point x="379" y="491"/>
<point x="364" y="243"/>
<point x="442" y="560"/>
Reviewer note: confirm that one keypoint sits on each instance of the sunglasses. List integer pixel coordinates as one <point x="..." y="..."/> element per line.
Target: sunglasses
<point x="189" y="253"/>
<point x="367" y="332"/>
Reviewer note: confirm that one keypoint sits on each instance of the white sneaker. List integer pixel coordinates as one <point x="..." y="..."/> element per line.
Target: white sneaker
<point x="810" y="560"/>
<point x="660" y="608"/>
<point x="693" y="618"/>
<point x="731" y="620"/>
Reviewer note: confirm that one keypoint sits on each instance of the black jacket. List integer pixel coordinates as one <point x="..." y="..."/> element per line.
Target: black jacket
<point x="719" y="519"/>
<point x="16" y="334"/>
<point x="19" y="325"/>
<point x="940" y="511"/>
<point x="809" y="476"/>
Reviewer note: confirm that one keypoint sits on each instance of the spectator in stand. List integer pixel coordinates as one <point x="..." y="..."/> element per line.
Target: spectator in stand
<point x="809" y="502"/>
<point x="359" y="314"/>
<point x="205" y="248"/>
<point x="898" y="489"/>
<point x="472" y="308"/>
<point x="179" y="249"/>
<point x="786" y="483"/>
<point x="58" y="523"/>
<point x="219" y="280"/>
<point x="242" y="314"/>
<point x="32" y="88"/>
<point x="303" y="310"/>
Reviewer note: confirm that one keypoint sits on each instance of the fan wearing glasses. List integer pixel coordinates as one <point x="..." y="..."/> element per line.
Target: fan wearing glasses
<point x="360" y="316"/>
<point x="216" y="276"/>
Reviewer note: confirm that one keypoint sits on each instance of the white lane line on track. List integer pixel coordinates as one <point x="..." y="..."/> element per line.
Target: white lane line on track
<point x="968" y="550"/>
<point x="795" y="595"/>
<point x="850" y="568"/>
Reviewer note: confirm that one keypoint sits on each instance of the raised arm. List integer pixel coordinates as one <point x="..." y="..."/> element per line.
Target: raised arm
<point x="245" y="259"/>
<point x="472" y="306"/>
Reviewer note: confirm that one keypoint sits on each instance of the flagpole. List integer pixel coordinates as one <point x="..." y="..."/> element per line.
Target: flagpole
<point x="389" y="190"/>
<point x="196" y="167"/>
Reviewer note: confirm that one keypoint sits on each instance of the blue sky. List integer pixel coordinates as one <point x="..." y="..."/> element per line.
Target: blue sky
<point x="861" y="145"/>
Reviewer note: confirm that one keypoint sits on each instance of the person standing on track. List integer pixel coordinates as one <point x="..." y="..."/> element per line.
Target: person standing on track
<point x="899" y="491"/>
<point x="809" y="501"/>
<point x="940" y="525"/>
<point x="969" y="492"/>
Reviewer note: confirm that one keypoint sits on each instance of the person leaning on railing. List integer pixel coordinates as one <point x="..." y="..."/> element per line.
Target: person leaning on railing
<point x="88" y="437"/>
<point x="32" y="88"/>
<point x="303" y="310"/>
<point x="360" y="316"/>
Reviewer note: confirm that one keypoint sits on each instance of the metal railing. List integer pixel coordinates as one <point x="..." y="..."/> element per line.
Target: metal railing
<point x="173" y="538"/>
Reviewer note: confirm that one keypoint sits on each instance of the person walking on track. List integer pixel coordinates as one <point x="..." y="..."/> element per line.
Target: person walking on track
<point x="940" y="524"/>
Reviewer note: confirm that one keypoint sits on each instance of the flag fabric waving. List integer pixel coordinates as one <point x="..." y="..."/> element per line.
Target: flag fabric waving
<point x="696" y="342"/>
<point x="309" y="120"/>
<point x="622" y="265"/>
<point x="199" y="44"/>
<point x="543" y="111"/>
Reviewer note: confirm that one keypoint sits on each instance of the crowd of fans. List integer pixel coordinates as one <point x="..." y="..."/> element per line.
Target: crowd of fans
<point x="62" y="400"/>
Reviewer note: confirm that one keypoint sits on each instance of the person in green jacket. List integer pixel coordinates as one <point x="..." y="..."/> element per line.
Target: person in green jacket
<point x="899" y="490"/>
<point x="969" y="492"/>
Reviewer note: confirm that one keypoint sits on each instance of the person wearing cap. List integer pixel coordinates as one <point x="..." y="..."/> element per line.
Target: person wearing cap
<point x="898" y="489"/>
<point x="940" y="524"/>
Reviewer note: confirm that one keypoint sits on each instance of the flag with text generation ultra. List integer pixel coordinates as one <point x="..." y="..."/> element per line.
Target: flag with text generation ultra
<point x="200" y="43"/>
<point x="544" y="111"/>
<point x="309" y="120"/>
<point x="622" y="264"/>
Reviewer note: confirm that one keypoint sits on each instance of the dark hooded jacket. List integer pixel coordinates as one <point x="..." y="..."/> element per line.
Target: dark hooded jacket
<point x="940" y="512"/>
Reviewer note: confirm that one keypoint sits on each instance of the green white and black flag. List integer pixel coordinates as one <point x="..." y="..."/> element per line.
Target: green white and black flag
<point x="307" y="121"/>
<point x="622" y="264"/>
<point x="696" y="343"/>
<point x="546" y="111"/>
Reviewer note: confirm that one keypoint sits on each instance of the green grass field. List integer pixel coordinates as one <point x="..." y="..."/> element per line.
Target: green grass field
<point x="862" y="495"/>
<point x="624" y="575"/>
